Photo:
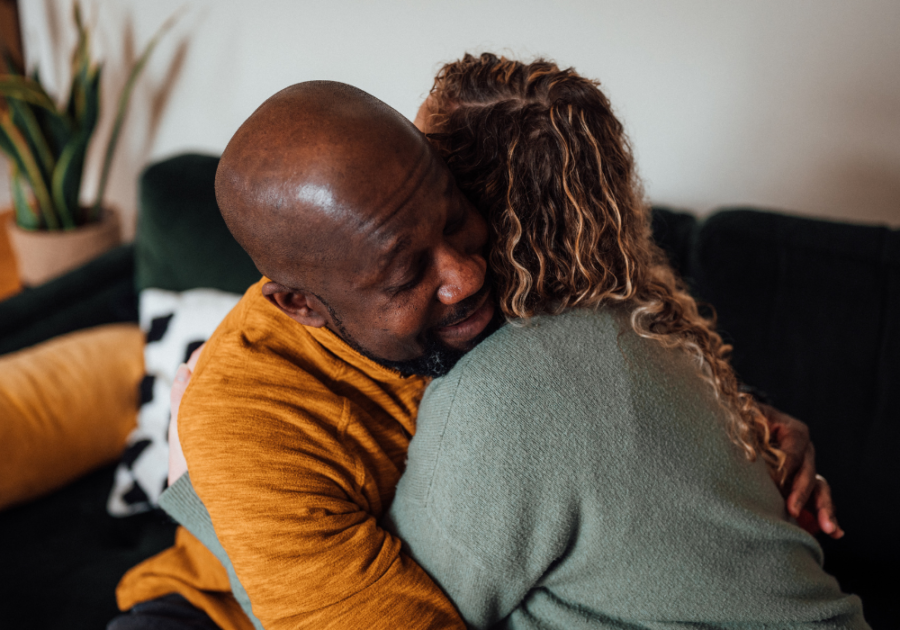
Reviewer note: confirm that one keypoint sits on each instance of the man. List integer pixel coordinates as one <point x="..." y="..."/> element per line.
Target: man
<point x="400" y="285"/>
<point x="298" y="417"/>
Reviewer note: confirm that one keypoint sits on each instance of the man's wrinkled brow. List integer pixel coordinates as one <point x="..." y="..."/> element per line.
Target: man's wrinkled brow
<point x="399" y="246"/>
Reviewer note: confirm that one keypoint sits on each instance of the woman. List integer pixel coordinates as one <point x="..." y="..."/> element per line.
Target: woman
<point x="594" y="463"/>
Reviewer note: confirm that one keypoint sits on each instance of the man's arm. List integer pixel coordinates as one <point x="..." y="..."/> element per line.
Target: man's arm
<point x="181" y="502"/>
<point x="803" y="489"/>
<point x="291" y="510"/>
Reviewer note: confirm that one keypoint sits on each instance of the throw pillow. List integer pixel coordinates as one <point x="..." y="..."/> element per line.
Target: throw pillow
<point x="66" y="407"/>
<point x="175" y="324"/>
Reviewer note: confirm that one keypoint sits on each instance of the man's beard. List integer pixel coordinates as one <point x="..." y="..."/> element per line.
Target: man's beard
<point x="437" y="357"/>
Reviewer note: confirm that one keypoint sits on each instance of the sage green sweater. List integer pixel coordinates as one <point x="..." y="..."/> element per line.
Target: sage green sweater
<point x="569" y="475"/>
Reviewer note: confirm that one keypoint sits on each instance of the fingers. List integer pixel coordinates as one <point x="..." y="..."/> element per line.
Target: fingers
<point x="179" y="384"/>
<point x="177" y="462"/>
<point x="182" y="378"/>
<point x="794" y="458"/>
<point x="182" y="375"/>
<point x="818" y="515"/>
<point x="792" y="437"/>
<point x="808" y="522"/>
<point x="824" y="509"/>
<point x="807" y="489"/>
<point x="195" y="356"/>
<point x="804" y="482"/>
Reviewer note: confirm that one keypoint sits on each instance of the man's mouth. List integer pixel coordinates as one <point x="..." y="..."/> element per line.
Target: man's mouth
<point x="466" y="329"/>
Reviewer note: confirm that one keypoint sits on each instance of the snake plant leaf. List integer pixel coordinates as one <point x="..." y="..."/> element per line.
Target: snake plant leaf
<point x="55" y="126"/>
<point x="25" y="214"/>
<point x="122" y="109"/>
<point x="66" y="183"/>
<point x="23" y="117"/>
<point x="18" y="147"/>
<point x="76" y="97"/>
<point x="67" y="178"/>
<point x="82" y="69"/>
<point x="26" y="217"/>
<point x="91" y="101"/>
<point x="70" y="101"/>
<point x="75" y="101"/>
<point x="82" y="51"/>
<point x="24" y="89"/>
<point x="47" y="143"/>
<point x="9" y="148"/>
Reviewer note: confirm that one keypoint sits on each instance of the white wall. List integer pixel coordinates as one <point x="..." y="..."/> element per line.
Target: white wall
<point x="790" y="104"/>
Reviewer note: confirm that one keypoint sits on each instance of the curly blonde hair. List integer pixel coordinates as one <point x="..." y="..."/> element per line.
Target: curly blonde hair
<point x="541" y="154"/>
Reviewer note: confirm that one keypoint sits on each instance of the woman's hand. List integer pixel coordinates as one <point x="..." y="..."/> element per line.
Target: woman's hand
<point x="808" y="495"/>
<point x="177" y="463"/>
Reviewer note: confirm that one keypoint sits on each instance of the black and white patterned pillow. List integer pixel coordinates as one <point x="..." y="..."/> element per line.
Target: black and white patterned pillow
<point x="175" y="324"/>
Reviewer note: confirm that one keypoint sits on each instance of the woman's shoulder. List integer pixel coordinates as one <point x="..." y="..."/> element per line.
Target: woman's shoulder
<point x="537" y="364"/>
<point x="543" y="340"/>
<point x="576" y="362"/>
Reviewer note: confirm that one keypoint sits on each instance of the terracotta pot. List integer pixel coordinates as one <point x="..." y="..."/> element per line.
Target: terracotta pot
<point x="44" y="255"/>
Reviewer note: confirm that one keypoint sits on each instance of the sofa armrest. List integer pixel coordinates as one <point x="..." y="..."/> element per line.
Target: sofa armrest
<point x="100" y="292"/>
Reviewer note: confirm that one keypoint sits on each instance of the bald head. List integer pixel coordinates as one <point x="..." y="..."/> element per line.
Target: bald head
<point x="359" y="224"/>
<point x="315" y="159"/>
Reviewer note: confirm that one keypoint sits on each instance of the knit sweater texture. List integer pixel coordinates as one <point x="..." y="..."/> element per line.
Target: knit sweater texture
<point x="295" y="443"/>
<point x="570" y="474"/>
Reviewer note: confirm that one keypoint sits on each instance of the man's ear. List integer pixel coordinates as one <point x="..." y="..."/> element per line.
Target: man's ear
<point x="295" y="304"/>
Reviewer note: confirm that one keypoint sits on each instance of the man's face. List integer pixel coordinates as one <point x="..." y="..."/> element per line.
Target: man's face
<point x="411" y="289"/>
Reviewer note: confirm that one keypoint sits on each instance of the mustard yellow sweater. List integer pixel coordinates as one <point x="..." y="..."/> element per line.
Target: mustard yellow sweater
<point x="295" y="443"/>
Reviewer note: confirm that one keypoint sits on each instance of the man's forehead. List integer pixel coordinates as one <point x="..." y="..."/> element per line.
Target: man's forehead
<point x="386" y="204"/>
<point x="355" y="180"/>
<point x="396" y="234"/>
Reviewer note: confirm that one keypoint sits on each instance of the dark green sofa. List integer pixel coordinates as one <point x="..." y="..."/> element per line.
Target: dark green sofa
<point x="812" y="307"/>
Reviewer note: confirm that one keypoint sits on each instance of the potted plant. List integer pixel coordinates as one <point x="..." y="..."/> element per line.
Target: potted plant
<point x="46" y="144"/>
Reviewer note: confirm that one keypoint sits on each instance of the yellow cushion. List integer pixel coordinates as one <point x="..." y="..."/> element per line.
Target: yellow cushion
<point x="66" y="407"/>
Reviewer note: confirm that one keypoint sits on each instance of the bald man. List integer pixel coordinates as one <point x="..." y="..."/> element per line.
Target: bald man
<point x="297" y="420"/>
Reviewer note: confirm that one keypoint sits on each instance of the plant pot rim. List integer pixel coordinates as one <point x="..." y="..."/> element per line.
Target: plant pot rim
<point x="42" y="255"/>
<point x="106" y="214"/>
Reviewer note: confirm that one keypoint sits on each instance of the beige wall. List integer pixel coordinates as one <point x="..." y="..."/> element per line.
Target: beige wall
<point x="782" y="103"/>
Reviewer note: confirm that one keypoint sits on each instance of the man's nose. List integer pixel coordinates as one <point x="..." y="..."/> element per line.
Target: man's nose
<point x="462" y="274"/>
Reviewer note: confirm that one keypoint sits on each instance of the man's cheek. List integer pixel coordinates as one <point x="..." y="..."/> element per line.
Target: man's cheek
<point x="395" y="335"/>
<point x="405" y="316"/>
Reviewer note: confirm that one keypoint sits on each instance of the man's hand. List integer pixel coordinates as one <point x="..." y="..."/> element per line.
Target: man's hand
<point x="177" y="463"/>
<point x="808" y="494"/>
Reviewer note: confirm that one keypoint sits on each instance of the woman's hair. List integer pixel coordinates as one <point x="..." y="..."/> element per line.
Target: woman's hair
<point x="541" y="154"/>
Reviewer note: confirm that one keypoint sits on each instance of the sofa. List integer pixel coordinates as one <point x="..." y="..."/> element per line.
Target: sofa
<point x="812" y="308"/>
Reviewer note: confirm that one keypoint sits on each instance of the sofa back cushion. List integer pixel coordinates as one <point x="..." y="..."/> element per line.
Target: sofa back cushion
<point x="813" y="310"/>
<point x="675" y="232"/>
<point x="182" y="241"/>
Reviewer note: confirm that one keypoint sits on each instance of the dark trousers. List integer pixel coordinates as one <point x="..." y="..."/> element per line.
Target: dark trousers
<point x="170" y="612"/>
